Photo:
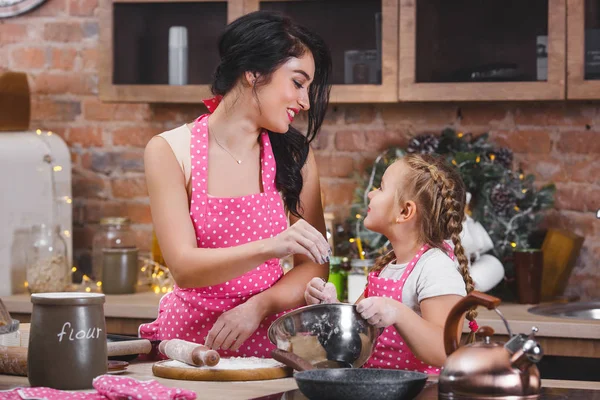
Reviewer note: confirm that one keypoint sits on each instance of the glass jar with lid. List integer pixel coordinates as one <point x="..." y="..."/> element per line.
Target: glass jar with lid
<point x="357" y="277"/>
<point x="48" y="268"/>
<point x="114" y="234"/>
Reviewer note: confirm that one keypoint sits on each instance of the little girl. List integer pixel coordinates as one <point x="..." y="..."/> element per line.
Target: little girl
<point x="411" y="290"/>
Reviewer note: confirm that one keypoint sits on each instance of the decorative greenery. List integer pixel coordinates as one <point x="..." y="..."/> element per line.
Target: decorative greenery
<point x="506" y="202"/>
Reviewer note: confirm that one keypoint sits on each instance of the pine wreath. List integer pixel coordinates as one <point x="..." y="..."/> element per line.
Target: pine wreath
<point x="425" y="144"/>
<point x="504" y="201"/>
<point x="504" y="156"/>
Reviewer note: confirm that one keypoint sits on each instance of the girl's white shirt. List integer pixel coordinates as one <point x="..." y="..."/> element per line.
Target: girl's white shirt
<point x="435" y="274"/>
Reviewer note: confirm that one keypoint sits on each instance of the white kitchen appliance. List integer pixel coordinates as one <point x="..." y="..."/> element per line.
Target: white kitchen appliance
<point x="35" y="180"/>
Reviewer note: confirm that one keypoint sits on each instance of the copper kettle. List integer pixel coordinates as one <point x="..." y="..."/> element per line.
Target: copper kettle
<point x="488" y="370"/>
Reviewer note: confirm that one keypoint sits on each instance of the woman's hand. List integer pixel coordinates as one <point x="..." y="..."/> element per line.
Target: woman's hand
<point x="379" y="311"/>
<point x="318" y="291"/>
<point x="301" y="238"/>
<point x="233" y="327"/>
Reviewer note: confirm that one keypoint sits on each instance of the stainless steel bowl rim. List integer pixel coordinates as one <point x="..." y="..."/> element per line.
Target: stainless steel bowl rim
<point x="300" y="310"/>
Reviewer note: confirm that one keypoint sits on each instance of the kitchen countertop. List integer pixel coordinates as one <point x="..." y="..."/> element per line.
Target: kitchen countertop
<point x="254" y="389"/>
<point x="145" y="305"/>
<point x="430" y="392"/>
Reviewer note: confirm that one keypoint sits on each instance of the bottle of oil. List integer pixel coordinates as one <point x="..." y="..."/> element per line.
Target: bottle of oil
<point x="157" y="256"/>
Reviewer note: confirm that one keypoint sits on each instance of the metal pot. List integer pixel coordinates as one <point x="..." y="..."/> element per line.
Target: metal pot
<point x="326" y="335"/>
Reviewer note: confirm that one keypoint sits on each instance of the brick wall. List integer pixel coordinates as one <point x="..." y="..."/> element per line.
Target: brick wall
<point x="57" y="46"/>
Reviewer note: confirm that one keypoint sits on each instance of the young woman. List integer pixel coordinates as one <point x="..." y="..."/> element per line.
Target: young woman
<point x="237" y="190"/>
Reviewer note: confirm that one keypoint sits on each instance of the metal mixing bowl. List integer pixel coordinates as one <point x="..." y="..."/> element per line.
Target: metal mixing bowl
<point x="326" y="335"/>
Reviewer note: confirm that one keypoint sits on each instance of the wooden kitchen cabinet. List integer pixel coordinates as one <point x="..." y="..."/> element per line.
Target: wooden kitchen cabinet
<point x="418" y="50"/>
<point x="473" y="50"/>
<point x="583" y="49"/>
<point x="363" y="39"/>
<point x="134" y="38"/>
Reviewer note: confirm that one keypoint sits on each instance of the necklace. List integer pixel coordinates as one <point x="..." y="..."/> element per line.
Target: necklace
<point x="228" y="152"/>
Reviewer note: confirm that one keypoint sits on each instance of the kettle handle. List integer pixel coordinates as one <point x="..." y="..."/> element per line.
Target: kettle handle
<point x="474" y="298"/>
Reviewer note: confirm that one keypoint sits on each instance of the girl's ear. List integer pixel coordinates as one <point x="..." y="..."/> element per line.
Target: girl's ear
<point x="408" y="211"/>
<point x="250" y="78"/>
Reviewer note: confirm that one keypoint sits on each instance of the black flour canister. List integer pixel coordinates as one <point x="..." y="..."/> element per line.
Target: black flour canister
<point x="67" y="340"/>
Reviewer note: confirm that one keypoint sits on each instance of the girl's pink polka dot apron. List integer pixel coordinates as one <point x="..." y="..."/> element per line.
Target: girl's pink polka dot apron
<point x="391" y="351"/>
<point x="189" y="314"/>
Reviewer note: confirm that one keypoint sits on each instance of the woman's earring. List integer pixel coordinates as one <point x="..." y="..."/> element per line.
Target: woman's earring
<point x="398" y="220"/>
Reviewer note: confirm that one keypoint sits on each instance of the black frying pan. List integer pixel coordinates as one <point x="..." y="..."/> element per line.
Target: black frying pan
<point x="352" y="383"/>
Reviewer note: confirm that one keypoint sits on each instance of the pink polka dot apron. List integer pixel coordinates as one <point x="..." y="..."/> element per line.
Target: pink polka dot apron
<point x="391" y="351"/>
<point x="189" y="314"/>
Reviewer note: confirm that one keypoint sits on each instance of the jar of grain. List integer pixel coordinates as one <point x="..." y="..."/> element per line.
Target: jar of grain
<point x="48" y="268"/>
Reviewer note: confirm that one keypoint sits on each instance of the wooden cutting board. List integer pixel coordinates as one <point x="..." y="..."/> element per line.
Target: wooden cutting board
<point x="174" y="370"/>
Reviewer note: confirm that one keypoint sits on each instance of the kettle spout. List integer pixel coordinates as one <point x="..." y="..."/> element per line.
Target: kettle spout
<point x="530" y="352"/>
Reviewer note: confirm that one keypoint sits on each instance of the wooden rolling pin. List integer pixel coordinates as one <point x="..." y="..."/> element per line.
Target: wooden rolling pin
<point x="189" y="352"/>
<point x="127" y="347"/>
<point x="13" y="360"/>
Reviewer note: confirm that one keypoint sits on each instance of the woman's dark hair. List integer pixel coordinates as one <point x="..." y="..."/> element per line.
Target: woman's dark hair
<point x="261" y="42"/>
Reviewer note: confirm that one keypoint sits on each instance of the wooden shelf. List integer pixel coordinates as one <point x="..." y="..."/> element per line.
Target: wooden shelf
<point x="348" y="26"/>
<point x="155" y="93"/>
<point x="134" y="40"/>
<point x="423" y="53"/>
<point x="443" y="42"/>
<point x="581" y="15"/>
<point x="128" y="84"/>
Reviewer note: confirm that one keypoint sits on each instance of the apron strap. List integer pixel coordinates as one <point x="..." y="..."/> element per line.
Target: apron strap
<point x="268" y="168"/>
<point x="449" y="251"/>
<point x="199" y="155"/>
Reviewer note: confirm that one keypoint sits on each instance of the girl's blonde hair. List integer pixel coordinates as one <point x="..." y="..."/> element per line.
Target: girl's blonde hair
<point x="439" y="192"/>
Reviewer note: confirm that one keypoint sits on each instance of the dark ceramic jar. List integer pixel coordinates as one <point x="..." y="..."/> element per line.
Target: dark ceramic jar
<point x="67" y="341"/>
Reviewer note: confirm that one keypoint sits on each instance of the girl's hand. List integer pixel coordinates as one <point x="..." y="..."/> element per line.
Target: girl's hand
<point x="233" y="327"/>
<point x="380" y="312"/>
<point x="301" y="238"/>
<point x="318" y="291"/>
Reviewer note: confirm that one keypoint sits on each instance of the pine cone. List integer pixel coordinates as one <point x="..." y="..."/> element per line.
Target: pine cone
<point x="423" y="144"/>
<point x="502" y="199"/>
<point x="505" y="157"/>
